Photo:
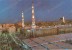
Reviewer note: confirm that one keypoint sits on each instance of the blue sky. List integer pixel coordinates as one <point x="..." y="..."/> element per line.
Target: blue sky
<point x="45" y="10"/>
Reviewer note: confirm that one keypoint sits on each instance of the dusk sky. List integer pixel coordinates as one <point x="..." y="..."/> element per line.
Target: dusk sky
<point x="45" y="10"/>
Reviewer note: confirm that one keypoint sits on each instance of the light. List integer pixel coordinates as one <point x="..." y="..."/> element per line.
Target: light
<point x="28" y="30"/>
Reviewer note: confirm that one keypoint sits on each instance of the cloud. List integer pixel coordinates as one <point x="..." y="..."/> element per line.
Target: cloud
<point x="7" y="8"/>
<point x="57" y="6"/>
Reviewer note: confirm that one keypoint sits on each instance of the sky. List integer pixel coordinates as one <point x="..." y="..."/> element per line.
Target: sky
<point x="45" y="10"/>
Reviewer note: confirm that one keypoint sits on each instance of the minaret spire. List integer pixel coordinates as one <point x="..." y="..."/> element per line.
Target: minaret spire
<point x="23" y="20"/>
<point x="33" y="16"/>
<point x="63" y="19"/>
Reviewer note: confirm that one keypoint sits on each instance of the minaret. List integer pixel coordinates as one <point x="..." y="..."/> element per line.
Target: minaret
<point x="33" y="16"/>
<point x="23" y="20"/>
<point x="63" y="19"/>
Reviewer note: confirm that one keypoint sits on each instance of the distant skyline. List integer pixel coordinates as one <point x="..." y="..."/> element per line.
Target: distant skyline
<point x="45" y="10"/>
